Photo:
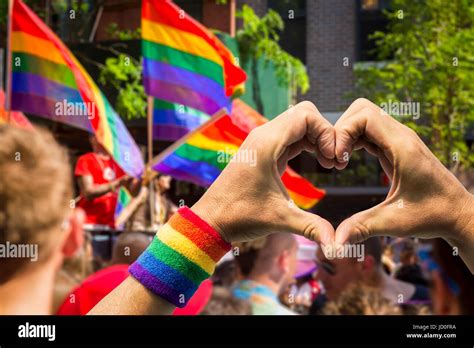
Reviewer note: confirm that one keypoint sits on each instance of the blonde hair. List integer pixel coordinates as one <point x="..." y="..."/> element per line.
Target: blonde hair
<point x="222" y="302"/>
<point x="35" y="189"/>
<point x="361" y="299"/>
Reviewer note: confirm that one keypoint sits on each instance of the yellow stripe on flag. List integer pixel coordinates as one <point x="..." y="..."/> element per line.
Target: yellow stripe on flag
<point x="180" y="40"/>
<point x="203" y="142"/>
<point x="23" y="42"/>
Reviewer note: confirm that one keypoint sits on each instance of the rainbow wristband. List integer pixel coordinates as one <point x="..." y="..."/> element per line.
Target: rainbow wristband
<point x="183" y="253"/>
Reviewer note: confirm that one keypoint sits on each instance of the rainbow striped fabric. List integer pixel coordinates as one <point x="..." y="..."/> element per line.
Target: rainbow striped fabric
<point x="48" y="81"/>
<point x="16" y="118"/>
<point x="123" y="200"/>
<point x="183" y="253"/>
<point x="201" y="159"/>
<point x="171" y="121"/>
<point x="183" y="62"/>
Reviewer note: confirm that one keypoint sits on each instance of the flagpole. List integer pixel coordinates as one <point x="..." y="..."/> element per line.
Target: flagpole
<point x="151" y="187"/>
<point x="9" y="61"/>
<point x="170" y="149"/>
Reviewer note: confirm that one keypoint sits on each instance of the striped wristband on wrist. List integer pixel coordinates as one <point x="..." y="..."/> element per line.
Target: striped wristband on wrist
<point x="183" y="253"/>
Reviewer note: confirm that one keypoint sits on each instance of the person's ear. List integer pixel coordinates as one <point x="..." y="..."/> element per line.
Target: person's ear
<point x="284" y="261"/>
<point x="74" y="233"/>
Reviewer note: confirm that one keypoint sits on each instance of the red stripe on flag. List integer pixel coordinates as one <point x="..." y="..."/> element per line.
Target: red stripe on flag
<point x="166" y="12"/>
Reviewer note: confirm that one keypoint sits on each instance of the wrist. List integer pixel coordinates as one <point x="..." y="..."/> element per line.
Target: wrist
<point x="464" y="224"/>
<point x="214" y="215"/>
<point x="183" y="253"/>
<point x="112" y="186"/>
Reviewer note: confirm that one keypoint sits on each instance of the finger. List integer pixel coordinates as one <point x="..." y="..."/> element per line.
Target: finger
<point x="294" y="150"/>
<point x="325" y="162"/>
<point x="354" y="108"/>
<point x="304" y="120"/>
<point x="375" y="151"/>
<point x="300" y="146"/>
<point x="367" y="123"/>
<point x="382" y="220"/>
<point x="367" y="146"/>
<point x="308" y="225"/>
<point x="358" y="227"/>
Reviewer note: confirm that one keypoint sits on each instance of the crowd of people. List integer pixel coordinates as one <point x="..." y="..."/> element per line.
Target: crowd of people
<point x="283" y="274"/>
<point x="273" y="272"/>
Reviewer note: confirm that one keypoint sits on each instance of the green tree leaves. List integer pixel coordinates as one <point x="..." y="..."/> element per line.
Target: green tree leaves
<point x="428" y="60"/>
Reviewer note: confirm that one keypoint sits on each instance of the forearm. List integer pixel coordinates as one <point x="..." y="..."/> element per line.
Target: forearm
<point x="133" y="186"/>
<point x="132" y="298"/>
<point x="97" y="190"/>
<point x="463" y="236"/>
<point x="182" y="255"/>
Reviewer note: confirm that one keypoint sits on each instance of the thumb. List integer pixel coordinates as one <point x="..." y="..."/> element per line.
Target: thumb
<point x="308" y="225"/>
<point x="360" y="226"/>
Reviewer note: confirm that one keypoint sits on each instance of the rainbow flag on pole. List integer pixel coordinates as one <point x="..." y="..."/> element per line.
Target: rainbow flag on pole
<point x="48" y="81"/>
<point x="183" y="62"/>
<point x="171" y="121"/>
<point x="205" y="154"/>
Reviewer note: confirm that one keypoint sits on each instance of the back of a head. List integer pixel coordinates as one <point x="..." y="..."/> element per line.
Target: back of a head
<point x="259" y="254"/>
<point x="360" y="299"/>
<point x="247" y="254"/>
<point x="35" y="190"/>
<point x="223" y="303"/>
<point x="225" y="274"/>
<point x="274" y="245"/>
<point x="128" y="246"/>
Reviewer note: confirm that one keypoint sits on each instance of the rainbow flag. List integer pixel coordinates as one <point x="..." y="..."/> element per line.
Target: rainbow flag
<point x="171" y="121"/>
<point x="123" y="200"/>
<point x="183" y="62"/>
<point x="16" y="118"/>
<point x="48" y="81"/>
<point x="201" y="159"/>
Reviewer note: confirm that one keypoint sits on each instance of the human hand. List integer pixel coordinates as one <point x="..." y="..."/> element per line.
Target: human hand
<point x="249" y="200"/>
<point x="425" y="199"/>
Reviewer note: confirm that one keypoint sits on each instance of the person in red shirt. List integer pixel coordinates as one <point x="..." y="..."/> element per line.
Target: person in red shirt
<point x="94" y="288"/>
<point x="99" y="177"/>
<point x="126" y="250"/>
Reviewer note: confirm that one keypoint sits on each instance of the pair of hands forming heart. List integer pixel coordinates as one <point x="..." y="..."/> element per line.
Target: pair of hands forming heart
<point x="425" y="200"/>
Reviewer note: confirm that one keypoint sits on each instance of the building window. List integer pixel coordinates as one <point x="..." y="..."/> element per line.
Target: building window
<point x="369" y="5"/>
<point x="374" y="5"/>
<point x="293" y="13"/>
<point x="370" y="19"/>
<point x="192" y="7"/>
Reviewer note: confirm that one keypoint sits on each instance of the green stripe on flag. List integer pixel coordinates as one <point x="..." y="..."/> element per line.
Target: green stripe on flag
<point x="23" y="62"/>
<point x="183" y="60"/>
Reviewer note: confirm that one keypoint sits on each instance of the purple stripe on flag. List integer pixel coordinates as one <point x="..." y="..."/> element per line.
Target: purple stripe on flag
<point x="34" y="84"/>
<point x="181" y="175"/>
<point x="44" y="107"/>
<point x="155" y="70"/>
<point x="174" y="117"/>
<point x="181" y="95"/>
<point x="201" y="172"/>
<point x="169" y="132"/>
